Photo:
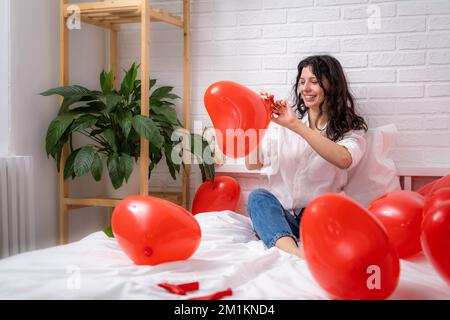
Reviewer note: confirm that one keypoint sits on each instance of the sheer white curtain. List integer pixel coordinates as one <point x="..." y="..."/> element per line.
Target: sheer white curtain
<point x="4" y="75"/>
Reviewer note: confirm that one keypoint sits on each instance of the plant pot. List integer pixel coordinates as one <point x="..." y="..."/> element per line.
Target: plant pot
<point x="127" y="189"/>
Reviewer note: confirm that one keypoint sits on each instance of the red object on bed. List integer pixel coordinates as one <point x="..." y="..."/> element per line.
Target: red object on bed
<point x="224" y="196"/>
<point x="435" y="238"/>
<point x="401" y="214"/>
<point x="425" y="190"/>
<point x="180" y="289"/>
<point x="347" y="250"/>
<point x="435" y="199"/>
<point x="153" y="231"/>
<point x="443" y="182"/>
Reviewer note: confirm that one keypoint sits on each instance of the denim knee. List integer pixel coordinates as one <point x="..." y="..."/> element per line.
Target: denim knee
<point x="257" y="194"/>
<point x="268" y="217"/>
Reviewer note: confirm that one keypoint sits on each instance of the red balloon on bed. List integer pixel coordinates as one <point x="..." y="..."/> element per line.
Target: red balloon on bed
<point x="347" y="250"/>
<point x="153" y="231"/>
<point x="401" y="214"/>
<point x="435" y="238"/>
<point x="225" y="195"/>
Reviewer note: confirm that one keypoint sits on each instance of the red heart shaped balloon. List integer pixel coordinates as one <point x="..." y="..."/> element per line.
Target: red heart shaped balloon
<point x="425" y="190"/>
<point x="239" y="116"/>
<point x="436" y="199"/>
<point x="224" y="196"/>
<point x="435" y="238"/>
<point x="401" y="214"/>
<point x="443" y="182"/>
<point x="153" y="231"/>
<point x="347" y="250"/>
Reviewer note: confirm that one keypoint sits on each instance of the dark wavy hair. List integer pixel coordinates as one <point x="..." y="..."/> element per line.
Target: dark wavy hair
<point x="340" y="105"/>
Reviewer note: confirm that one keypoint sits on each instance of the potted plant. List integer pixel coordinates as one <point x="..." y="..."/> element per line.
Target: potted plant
<point x="112" y="121"/>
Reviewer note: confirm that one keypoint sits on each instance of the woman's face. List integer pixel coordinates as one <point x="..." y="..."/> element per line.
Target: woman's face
<point x="310" y="89"/>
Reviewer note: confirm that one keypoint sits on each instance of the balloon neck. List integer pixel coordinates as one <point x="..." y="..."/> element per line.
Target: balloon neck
<point x="148" y="251"/>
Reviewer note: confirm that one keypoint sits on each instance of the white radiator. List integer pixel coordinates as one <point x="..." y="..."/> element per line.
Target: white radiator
<point x="17" y="221"/>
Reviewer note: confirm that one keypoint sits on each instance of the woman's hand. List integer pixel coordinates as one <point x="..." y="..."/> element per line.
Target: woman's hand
<point x="282" y="114"/>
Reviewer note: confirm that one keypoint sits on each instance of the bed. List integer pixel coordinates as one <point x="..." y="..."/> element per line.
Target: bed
<point x="230" y="256"/>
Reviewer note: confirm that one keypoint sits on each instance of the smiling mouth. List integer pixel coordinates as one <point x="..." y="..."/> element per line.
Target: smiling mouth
<point x="309" y="98"/>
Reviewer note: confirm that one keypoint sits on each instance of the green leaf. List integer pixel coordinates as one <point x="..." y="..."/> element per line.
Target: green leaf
<point x="68" y="101"/>
<point x="112" y="99"/>
<point x="83" y="161"/>
<point x="125" y="121"/>
<point x="161" y="92"/>
<point x="68" y="91"/>
<point x="168" y="113"/>
<point x="126" y="166"/>
<point x="84" y="122"/>
<point x="109" y="232"/>
<point x="147" y="128"/>
<point x="129" y="80"/>
<point x="111" y="138"/>
<point x="152" y="83"/>
<point x="210" y="172"/>
<point x="172" y="96"/>
<point x="56" y="130"/>
<point x="155" y="154"/>
<point x="96" y="106"/>
<point x="115" y="173"/>
<point x="173" y="168"/>
<point x="68" y="168"/>
<point x="107" y="82"/>
<point x="97" y="167"/>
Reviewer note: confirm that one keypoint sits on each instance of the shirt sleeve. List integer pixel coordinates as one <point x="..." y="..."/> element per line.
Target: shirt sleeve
<point x="355" y="142"/>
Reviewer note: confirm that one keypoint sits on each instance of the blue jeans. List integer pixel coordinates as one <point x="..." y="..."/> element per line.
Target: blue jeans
<point x="270" y="220"/>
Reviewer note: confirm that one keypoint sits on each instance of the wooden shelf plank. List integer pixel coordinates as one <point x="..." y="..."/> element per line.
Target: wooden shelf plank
<point x="120" y="11"/>
<point x="104" y="6"/>
<point x="175" y="197"/>
<point x="90" y="202"/>
<point x="161" y="16"/>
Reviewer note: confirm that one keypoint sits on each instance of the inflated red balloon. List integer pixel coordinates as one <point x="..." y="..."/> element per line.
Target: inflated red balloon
<point x="435" y="199"/>
<point x="239" y="116"/>
<point x="435" y="239"/>
<point x="347" y="250"/>
<point x="425" y="190"/>
<point x="224" y="196"/>
<point x="153" y="231"/>
<point x="443" y="182"/>
<point x="401" y="214"/>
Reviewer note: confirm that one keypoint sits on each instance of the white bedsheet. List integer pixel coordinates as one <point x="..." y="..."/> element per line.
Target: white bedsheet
<point x="230" y="256"/>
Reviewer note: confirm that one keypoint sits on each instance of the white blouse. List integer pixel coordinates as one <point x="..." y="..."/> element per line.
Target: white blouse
<point x="297" y="174"/>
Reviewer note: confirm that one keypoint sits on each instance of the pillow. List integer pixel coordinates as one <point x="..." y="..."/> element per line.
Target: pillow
<point x="376" y="174"/>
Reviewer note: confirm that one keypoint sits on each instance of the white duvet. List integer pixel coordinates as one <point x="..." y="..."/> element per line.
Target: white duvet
<point x="230" y="256"/>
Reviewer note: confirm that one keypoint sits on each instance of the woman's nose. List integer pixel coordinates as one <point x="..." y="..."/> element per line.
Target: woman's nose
<point x="307" y="87"/>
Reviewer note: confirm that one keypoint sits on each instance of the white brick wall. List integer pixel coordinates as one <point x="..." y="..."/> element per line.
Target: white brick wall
<point x="398" y="65"/>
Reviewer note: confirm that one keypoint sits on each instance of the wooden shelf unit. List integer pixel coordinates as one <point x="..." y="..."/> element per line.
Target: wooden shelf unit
<point x="110" y="14"/>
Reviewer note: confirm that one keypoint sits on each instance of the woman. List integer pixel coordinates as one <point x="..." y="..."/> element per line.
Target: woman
<point x="320" y="139"/>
